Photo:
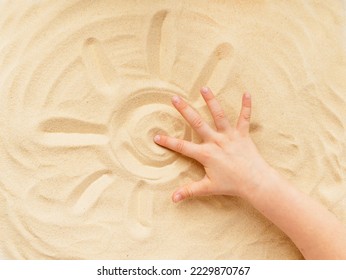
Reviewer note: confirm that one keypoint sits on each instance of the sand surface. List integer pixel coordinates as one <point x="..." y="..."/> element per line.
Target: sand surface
<point x="85" y="85"/>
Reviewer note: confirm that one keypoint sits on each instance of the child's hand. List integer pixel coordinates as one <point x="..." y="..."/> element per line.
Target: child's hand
<point x="233" y="166"/>
<point x="232" y="163"/>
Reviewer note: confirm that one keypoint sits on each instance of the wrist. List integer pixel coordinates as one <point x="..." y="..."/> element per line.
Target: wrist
<point x="266" y="178"/>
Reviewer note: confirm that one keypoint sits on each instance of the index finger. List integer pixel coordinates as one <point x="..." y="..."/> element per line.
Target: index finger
<point x="183" y="147"/>
<point x="193" y="118"/>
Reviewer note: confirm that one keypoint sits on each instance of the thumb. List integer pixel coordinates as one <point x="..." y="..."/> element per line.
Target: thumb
<point x="198" y="188"/>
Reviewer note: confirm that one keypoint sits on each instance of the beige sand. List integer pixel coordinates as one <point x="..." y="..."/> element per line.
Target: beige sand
<point x="86" y="84"/>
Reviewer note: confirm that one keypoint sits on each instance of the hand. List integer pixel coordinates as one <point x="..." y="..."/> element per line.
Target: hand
<point x="231" y="161"/>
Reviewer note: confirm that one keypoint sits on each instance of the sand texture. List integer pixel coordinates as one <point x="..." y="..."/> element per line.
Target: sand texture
<point x="85" y="85"/>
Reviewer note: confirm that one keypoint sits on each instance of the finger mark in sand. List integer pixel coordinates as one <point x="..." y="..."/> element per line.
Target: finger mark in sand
<point x="101" y="72"/>
<point x="161" y="46"/>
<point x="154" y="43"/>
<point x="76" y="140"/>
<point x="71" y="125"/>
<point x="222" y="53"/>
<point x="70" y="132"/>
<point x="140" y="212"/>
<point x="86" y="194"/>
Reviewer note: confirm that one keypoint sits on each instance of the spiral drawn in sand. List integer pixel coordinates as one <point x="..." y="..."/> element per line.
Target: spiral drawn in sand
<point x="86" y="87"/>
<point x="147" y="113"/>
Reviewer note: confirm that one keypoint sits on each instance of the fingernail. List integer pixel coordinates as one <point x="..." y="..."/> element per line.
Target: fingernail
<point x="157" y="138"/>
<point x="177" y="197"/>
<point x="204" y="90"/>
<point x="175" y="99"/>
<point x="247" y="95"/>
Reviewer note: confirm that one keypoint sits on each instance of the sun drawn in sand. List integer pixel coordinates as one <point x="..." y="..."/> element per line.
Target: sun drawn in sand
<point x="144" y="110"/>
<point x="85" y="88"/>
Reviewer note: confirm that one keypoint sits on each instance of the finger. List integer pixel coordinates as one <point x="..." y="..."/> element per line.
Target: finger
<point x="199" y="188"/>
<point x="216" y="110"/>
<point x="243" y="124"/>
<point x="193" y="118"/>
<point x="183" y="147"/>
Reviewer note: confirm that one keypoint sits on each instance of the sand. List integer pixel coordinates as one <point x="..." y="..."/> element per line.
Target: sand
<point x="85" y="85"/>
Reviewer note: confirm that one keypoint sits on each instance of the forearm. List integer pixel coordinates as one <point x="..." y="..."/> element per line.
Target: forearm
<point x="316" y="232"/>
